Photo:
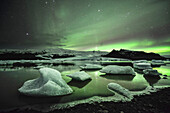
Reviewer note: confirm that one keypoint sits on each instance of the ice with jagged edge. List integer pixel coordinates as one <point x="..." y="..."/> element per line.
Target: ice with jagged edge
<point x="50" y="83"/>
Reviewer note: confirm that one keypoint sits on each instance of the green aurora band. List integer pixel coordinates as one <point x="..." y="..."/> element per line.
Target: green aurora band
<point x="102" y="25"/>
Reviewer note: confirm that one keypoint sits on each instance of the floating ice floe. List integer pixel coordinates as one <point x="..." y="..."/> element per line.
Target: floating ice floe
<point x="91" y="67"/>
<point x="119" y="89"/>
<point x="140" y="61"/>
<point x="50" y="83"/>
<point x="142" y="66"/>
<point x="80" y="76"/>
<point x="157" y="62"/>
<point x="151" y="72"/>
<point x="114" y="69"/>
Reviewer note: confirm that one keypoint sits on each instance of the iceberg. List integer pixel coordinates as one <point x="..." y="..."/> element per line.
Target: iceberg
<point x="157" y="62"/>
<point x="125" y="70"/>
<point x="140" y="61"/>
<point x="91" y="67"/>
<point x="142" y="66"/>
<point x="50" y="83"/>
<point x="119" y="89"/>
<point x="80" y="76"/>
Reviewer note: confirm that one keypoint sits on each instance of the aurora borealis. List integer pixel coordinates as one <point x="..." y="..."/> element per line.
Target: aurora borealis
<point x="86" y="24"/>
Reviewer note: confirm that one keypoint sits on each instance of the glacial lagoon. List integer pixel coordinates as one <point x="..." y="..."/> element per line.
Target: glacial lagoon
<point x="12" y="79"/>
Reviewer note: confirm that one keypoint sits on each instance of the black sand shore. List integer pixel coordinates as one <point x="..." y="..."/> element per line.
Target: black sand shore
<point x="157" y="102"/>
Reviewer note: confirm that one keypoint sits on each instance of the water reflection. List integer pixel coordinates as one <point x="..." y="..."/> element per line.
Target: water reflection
<point x="164" y="70"/>
<point x="118" y="77"/>
<point x="79" y="84"/>
<point x="138" y="71"/>
<point x="10" y="81"/>
<point x="151" y="80"/>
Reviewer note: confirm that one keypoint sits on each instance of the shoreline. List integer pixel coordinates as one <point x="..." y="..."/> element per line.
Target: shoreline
<point x="156" y="102"/>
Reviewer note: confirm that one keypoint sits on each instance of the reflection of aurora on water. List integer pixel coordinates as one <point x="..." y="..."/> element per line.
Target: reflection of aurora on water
<point x="89" y="89"/>
<point x="165" y="70"/>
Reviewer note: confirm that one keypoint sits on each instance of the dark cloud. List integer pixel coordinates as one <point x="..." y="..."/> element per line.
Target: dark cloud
<point x="83" y="24"/>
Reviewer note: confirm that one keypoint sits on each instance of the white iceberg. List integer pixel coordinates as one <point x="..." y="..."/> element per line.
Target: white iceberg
<point x="91" y="67"/>
<point x="50" y="83"/>
<point x="113" y="69"/>
<point x="142" y="66"/>
<point x="119" y="89"/>
<point x="80" y="76"/>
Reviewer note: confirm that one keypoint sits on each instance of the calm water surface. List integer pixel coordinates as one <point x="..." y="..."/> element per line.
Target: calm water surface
<point x="10" y="81"/>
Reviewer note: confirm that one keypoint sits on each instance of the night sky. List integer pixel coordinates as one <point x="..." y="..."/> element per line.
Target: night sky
<point x="86" y="24"/>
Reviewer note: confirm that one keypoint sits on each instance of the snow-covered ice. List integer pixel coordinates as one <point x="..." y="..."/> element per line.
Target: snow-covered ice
<point x="91" y="66"/>
<point x="50" y="83"/>
<point x="114" y="69"/>
<point x="80" y="76"/>
<point x="142" y="66"/>
<point x="119" y="89"/>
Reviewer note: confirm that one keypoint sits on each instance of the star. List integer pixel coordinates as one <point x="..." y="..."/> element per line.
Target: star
<point x="98" y="10"/>
<point x="27" y="34"/>
<point x="46" y="2"/>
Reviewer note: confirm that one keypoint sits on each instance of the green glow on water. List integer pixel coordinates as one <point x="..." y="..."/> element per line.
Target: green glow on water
<point x="164" y="70"/>
<point x="82" y="90"/>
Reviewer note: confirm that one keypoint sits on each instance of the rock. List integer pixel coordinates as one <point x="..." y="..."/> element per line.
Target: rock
<point x="50" y="83"/>
<point x="142" y="66"/>
<point x="91" y="67"/>
<point x="80" y="76"/>
<point x="134" y="55"/>
<point x="119" y="89"/>
<point x="114" y="69"/>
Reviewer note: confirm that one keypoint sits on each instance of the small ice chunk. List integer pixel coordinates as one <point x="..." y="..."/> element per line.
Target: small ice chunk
<point x="80" y="76"/>
<point x="140" y="61"/>
<point x="142" y="66"/>
<point x="119" y="89"/>
<point x="157" y="62"/>
<point x="91" y="67"/>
